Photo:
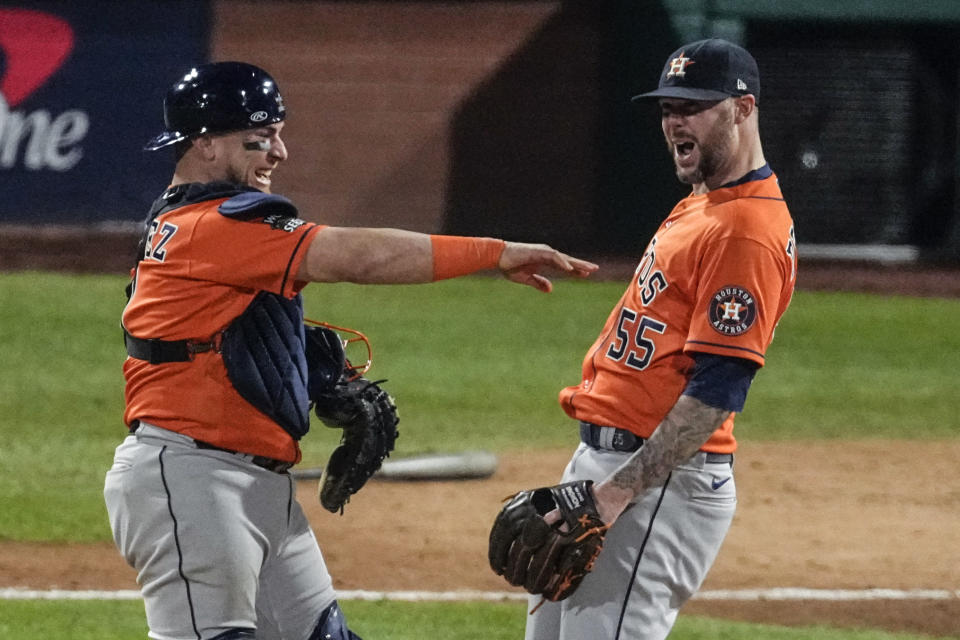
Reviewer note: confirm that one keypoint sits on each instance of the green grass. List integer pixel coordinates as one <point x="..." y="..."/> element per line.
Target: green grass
<point x="481" y="361"/>
<point x="122" y="620"/>
<point x="473" y="363"/>
<point x="61" y="402"/>
<point x="505" y="621"/>
<point x="858" y="366"/>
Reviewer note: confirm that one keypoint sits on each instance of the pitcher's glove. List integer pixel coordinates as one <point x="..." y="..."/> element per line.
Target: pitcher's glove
<point x="546" y="559"/>
<point x="368" y="417"/>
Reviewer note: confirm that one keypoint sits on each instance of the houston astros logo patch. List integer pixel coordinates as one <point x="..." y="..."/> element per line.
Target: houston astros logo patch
<point x="732" y="311"/>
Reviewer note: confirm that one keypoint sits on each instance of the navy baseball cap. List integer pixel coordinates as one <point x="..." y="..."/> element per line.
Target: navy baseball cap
<point x="711" y="69"/>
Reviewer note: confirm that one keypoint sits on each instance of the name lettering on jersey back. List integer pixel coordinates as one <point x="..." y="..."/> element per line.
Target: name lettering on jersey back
<point x="162" y="234"/>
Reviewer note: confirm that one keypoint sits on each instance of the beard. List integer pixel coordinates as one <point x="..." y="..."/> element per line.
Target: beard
<point x="715" y="150"/>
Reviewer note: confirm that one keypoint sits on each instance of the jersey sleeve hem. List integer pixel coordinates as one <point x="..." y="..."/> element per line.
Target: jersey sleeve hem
<point x="288" y="284"/>
<point x="701" y="346"/>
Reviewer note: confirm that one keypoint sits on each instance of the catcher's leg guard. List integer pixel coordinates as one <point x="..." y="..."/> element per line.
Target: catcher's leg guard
<point x="237" y="634"/>
<point x="333" y="625"/>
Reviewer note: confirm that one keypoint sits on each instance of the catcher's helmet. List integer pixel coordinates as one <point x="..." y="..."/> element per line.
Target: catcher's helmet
<point x="217" y="98"/>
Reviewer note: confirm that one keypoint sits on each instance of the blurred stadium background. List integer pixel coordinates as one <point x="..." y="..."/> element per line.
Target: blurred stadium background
<point x="485" y="118"/>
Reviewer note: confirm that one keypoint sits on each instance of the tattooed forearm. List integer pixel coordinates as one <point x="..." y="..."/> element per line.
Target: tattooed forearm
<point x="682" y="432"/>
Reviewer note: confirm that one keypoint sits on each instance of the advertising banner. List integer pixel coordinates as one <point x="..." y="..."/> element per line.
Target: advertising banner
<point x="81" y="92"/>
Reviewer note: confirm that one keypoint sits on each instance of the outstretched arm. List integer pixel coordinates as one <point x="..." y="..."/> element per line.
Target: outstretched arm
<point x="522" y="263"/>
<point x="683" y="431"/>
<point x="394" y="256"/>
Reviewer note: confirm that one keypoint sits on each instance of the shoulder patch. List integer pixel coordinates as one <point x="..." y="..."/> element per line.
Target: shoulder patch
<point x="256" y="204"/>
<point x="284" y="223"/>
<point x="732" y="310"/>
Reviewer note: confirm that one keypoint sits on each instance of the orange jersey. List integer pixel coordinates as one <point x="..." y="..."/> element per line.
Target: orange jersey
<point x="716" y="278"/>
<point x="200" y="270"/>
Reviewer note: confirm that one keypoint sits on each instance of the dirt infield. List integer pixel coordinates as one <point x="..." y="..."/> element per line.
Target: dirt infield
<point x="824" y="515"/>
<point x="817" y="515"/>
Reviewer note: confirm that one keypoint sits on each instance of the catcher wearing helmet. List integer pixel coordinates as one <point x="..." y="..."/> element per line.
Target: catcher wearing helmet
<point x="221" y="372"/>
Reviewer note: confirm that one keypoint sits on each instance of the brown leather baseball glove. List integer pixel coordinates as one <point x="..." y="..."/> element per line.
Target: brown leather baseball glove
<point x="551" y="560"/>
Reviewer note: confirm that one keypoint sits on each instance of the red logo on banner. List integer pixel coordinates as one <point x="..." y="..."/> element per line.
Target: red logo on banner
<point x="35" y="45"/>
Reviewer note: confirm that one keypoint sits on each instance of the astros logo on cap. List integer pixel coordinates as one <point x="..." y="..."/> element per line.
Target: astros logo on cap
<point x="679" y="65"/>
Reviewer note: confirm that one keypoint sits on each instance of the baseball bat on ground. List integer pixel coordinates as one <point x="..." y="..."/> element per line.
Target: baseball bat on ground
<point x="465" y="465"/>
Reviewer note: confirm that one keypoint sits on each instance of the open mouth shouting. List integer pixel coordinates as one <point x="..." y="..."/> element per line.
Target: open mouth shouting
<point x="684" y="153"/>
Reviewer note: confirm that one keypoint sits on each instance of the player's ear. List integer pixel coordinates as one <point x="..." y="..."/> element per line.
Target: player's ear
<point x="744" y="106"/>
<point x="205" y="146"/>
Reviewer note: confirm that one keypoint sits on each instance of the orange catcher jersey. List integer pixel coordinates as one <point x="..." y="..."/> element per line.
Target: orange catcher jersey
<point x="716" y="278"/>
<point x="200" y="270"/>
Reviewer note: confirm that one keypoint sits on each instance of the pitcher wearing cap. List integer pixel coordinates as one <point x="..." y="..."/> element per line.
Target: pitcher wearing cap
<point x="672" y="365"/>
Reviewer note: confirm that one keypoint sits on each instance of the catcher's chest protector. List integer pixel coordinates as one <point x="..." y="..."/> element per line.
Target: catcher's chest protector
<point x="263" y="348"/>
<point x="263" y="351"/>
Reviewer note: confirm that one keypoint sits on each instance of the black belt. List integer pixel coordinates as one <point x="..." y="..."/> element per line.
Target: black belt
<point x="270" y="464"/>
<point x="156" y="351"/>
<point x="614" y="439"/>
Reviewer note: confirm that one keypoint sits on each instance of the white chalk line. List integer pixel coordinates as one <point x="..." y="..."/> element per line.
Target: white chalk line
<point x="754" y="595"/>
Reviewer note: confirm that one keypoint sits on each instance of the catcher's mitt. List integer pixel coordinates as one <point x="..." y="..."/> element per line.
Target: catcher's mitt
<point x="326" y="359"/>
<point x="546" y="559"/>
<point x="368" y="417"/>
